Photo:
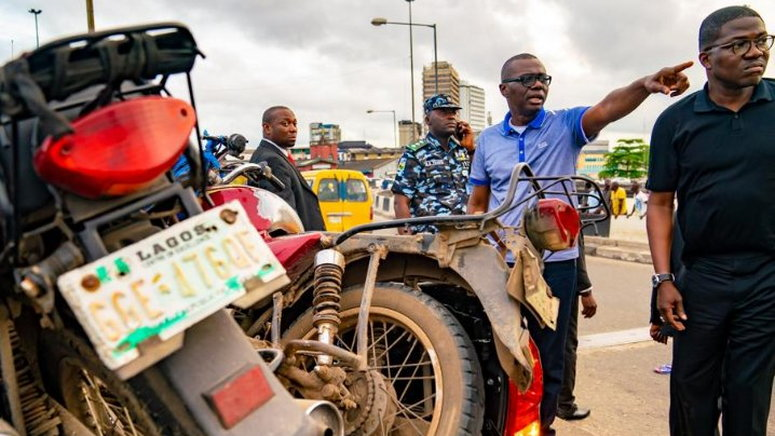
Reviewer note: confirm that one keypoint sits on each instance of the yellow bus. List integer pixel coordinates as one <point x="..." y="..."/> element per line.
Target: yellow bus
<point x="344" y="197"/>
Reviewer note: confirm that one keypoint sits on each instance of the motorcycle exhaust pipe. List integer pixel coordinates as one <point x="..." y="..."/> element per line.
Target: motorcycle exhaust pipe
<point x="325" y="415"/>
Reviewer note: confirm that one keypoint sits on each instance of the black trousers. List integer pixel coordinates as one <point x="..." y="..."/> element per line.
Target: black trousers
<point x="567" y="400"/>
<point x="728" y="348"/>
<point x="561" y="278"/>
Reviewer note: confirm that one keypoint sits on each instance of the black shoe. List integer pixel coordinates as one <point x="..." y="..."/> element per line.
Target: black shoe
<point x="574" y="414"/>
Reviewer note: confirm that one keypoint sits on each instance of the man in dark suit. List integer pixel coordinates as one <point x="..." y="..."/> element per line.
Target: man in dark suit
<point x="279" y="129"/>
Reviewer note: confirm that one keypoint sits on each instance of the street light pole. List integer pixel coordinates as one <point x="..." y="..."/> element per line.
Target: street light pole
<point x="382" y="21"/>
<point x="395" y="124"/>
<point x="411" y="57"/>
<point x="435" y="58"/>
<point x="36" y="12"/>
<point x="90" y="15"/>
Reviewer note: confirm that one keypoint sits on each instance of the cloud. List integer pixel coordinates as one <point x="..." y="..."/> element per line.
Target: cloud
<point x="326" y="61"/>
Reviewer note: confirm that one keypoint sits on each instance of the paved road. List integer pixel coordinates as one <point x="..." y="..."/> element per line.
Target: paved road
<point x="617" y="381"/>
<point x="616" y="363"/>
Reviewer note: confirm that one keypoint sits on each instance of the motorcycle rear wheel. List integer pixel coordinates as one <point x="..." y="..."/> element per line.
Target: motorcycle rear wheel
<point x="76" y="377"/>
<point x="423" y="351"/>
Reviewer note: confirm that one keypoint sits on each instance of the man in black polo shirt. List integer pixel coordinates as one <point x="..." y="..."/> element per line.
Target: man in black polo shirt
<point x="716" y="150"/>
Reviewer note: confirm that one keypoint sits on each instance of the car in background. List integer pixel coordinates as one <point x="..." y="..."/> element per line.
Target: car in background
<point x="344" y="196"/>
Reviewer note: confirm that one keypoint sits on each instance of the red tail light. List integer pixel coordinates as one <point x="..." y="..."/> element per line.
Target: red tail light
<point x="552" y="224"/>
<point x="118" y="149"/>
<point x="524" y="410"/>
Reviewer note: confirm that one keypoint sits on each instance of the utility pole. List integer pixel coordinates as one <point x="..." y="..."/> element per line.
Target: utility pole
<point x="411" y="59"/>
<point x="90" y="15"/>
<point x="36" y="12"/>
<point x="12" y="49"/>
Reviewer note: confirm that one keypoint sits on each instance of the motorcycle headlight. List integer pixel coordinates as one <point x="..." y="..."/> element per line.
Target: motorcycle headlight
<point x="552" y="224"/>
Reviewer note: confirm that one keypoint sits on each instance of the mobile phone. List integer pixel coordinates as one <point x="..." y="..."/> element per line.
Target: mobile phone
<point x="667" y="330"/>
<point x="459" y="131"/>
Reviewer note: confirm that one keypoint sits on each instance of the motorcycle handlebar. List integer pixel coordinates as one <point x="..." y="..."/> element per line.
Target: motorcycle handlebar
<point x="261" y="168"/>
<point x="520" y="173"/>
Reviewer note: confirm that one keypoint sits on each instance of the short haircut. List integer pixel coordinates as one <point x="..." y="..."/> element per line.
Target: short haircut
<point x="711" y="25"/>
<point x="268" y="116"/>
<point x="512" y="59"/>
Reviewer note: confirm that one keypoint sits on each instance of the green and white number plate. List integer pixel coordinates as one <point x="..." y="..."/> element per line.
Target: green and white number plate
<point x="165" y="283"/>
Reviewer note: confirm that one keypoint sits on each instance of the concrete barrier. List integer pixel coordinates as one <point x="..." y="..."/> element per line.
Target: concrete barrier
<point x="631" y="251"/>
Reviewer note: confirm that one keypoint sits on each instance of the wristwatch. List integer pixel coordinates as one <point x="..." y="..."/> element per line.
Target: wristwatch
<point x="657" y="279"/>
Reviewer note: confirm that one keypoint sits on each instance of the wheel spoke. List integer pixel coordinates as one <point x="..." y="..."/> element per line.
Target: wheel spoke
<point x="409" y="421"/>
<point x="106" y="415"/>
<point x="405" y="365"/>
<point x="408" y="355"/>
<point x="414" y="373"/>
<point x="395" y="342"/>
<point x="339" y="341"/>
<point x="386" y="353"/>
<point x="411" y="406"/>
<point x="419" y="377"/>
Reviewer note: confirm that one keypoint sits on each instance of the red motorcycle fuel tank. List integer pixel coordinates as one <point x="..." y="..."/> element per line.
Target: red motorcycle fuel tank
<point x="270" y="214"/>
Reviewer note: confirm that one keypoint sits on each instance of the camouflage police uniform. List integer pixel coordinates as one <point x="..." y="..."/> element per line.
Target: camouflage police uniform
<point x="433" y="179"/>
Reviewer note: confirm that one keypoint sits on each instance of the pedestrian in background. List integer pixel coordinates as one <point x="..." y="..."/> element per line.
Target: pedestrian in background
<point x="640" y="199"/>
<point x="278" y="125"/>
<point x="606" y="191"/>
<point x="715" y="150"/>
<point x="433" y="172"/>
<point x="550" y="142"/>
<point x="618" y="200"/>
<point x="567" y="408"/>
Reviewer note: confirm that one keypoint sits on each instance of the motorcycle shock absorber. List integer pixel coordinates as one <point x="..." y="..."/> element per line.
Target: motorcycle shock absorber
<point x="326" y="296"/>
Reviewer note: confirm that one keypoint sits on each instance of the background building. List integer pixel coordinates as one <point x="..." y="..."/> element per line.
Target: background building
<point x="472" y="103"/>
<point x="362" y="150"/>
<point x="407" y="135"/>
<point x="592" y="158"/>
<point x="449" y="81"/>
<point x="323" y="141"/>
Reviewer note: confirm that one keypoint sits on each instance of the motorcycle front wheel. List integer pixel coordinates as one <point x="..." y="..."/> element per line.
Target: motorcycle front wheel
<point x="422" y="351"/>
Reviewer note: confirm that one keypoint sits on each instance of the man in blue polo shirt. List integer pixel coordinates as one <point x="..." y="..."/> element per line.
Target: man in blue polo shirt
<point x="550" y="142"/>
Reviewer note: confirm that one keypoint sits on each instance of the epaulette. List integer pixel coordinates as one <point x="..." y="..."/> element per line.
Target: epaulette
<point x="417" y="145"/>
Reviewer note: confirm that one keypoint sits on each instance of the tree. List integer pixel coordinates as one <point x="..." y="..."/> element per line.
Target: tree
<point x="629" y="159"/>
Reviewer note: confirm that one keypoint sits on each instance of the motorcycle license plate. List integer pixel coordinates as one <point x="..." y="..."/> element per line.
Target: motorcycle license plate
<point x="163" y="284"/>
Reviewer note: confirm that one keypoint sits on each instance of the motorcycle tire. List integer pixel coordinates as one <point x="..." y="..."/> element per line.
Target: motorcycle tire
<point x="74" y="375"/>
<point x="451" y="355"/>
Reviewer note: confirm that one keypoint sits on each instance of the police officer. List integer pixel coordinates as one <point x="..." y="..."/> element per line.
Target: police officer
<point x="433" y="172"/>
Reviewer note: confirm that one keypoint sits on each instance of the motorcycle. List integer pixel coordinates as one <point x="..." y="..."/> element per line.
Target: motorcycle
<point x="420" y="334"/>
<point x="115" y="281"/>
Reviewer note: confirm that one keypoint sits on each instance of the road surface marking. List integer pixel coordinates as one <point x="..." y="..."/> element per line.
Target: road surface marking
<point x="611" y="339"/>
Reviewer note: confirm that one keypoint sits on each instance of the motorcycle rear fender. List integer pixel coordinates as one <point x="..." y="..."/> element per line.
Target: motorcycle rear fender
<point x="461" y="258"/>
<point x="216" y="349"/>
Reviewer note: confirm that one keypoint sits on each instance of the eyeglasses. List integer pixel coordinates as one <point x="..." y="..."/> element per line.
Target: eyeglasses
<point x="741" y="46"/>
<point x="528" y="80"/>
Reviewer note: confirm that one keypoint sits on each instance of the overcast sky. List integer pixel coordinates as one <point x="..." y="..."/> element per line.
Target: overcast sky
<point x="326" y="61"/>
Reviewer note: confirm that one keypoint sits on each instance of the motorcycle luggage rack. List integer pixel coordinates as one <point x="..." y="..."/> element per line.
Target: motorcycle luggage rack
<point x="30" y="84"/>
<point x="508" y="204"/>
<point x="90" y="236"/>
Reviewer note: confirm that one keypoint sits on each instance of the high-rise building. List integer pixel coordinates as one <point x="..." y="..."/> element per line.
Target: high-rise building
<point x="472" y="103"/>
<point x="323" y="140"/>
<point x="322" y="133"/>
<point x="449" y="81"/>
<point x="407" y="135"/>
